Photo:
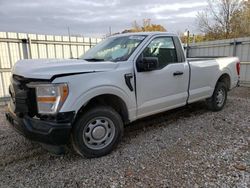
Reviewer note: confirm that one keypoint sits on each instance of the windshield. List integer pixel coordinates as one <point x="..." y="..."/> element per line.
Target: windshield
<point x="114" y="48"/>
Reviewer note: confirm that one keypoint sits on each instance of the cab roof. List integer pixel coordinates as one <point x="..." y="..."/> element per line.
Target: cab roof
<point x="145" y="33"/>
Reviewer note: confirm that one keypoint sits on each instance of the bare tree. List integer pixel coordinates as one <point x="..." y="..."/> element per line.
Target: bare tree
<point x="216" y="19"/>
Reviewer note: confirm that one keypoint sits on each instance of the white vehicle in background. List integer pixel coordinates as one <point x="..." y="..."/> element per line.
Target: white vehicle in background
<point x="124" y="78"/>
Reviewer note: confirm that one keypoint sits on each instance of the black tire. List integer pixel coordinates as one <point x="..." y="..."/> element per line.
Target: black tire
<point x="86" y="128"/>
<point x="213" y="102"/>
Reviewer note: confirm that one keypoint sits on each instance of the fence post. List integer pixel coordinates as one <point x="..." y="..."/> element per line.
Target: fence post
<point x="29" y="42"/>
<point x="234" y="48"/>
<point x="70" y="48"/>
<point x="9" y="51"/>
<point x="26" y="44"/>
<point x="235" y="43"/>
<point x="25" y="49"/>
<point x="90" y="42"/>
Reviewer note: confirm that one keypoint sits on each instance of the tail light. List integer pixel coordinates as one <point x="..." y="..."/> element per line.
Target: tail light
<point x="238" y="68"/>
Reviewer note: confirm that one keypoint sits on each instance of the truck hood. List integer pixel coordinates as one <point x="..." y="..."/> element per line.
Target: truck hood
<point x="47" y="68"/>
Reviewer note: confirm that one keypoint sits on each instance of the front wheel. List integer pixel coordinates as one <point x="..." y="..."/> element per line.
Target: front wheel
<point x="97" y="132"/>
<point x="219" y="97"/>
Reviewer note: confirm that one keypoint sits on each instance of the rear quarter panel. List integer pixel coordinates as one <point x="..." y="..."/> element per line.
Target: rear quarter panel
<point x="205" y="74"/>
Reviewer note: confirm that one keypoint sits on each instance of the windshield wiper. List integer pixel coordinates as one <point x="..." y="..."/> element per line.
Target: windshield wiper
<point x="94" y="59"/>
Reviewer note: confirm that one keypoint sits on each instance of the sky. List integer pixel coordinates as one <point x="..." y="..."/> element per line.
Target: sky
<point x="94" y="17"/>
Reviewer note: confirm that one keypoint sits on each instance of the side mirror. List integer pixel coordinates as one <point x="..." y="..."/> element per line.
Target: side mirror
<point x="147" y="64"/>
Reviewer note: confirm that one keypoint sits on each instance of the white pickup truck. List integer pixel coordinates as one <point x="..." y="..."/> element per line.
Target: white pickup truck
<point x="124" y="78"/>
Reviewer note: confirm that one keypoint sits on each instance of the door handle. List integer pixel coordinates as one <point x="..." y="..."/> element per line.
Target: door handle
<point x="177" y="73"/>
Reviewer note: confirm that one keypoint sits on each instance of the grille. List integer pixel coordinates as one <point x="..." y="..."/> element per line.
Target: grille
<point x="22" y="97"/>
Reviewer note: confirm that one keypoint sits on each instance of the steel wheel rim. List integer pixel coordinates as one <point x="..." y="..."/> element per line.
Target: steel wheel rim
<point x="98" y="133"/>
<point x="220" y="97"/>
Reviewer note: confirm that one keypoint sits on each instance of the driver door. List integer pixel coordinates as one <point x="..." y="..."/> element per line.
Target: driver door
<point x="166" y="86"/>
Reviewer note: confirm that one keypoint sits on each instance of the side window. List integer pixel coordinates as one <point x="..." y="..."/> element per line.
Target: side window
<point x="164" y="49"/>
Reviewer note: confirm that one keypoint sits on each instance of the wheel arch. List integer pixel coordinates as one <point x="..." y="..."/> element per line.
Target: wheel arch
<point x="111" y="100"/>
<point x="225" y="78"/>
<point x="111" y="96"/>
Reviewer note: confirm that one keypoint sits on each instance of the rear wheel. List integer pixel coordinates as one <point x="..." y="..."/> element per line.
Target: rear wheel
<point x="219" y="97"/>
<point x="97" y="132"/>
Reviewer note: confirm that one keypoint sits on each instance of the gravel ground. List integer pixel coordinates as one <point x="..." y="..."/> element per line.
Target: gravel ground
<point x="187" y="147"/>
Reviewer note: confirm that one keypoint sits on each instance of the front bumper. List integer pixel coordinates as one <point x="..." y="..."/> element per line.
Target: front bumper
<point x="48" y="132"/>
